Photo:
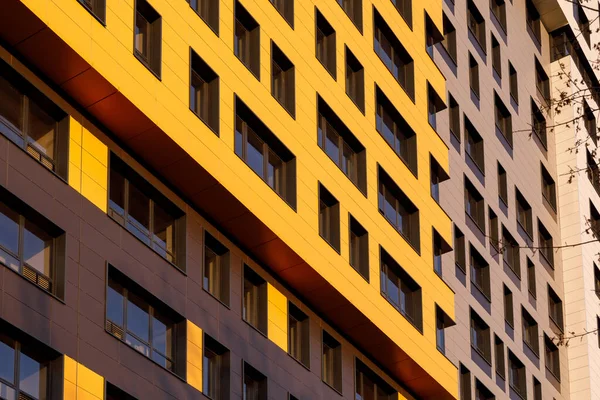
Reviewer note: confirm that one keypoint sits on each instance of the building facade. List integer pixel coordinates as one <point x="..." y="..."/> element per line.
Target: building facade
<point x="222" y="200"/>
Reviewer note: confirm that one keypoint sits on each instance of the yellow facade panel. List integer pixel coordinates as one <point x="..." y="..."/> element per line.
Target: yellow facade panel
<point x="277" y="312"/>
<point x="90" y="381"/>
<point x="92" y="145"/>
<point x="194" y="376"/>
<point x="70" y="369"/>
<point x="94" y="192"/>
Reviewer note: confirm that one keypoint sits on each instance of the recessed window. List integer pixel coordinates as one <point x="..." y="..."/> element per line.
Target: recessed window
<point x="597" y="280"/>
<point x="537" y="389"/>
<point x="552" y="357"/>
<point x="208" y="10"/>
<point x="342" y="147"/>
<point x="480" y="337"/>
<point x="33" y="122"/>
<point x="283" y="80"/>
<point x="511" y="252"/>
<point x="215" y="366"/>
<point x="530" y="332"/>
<point x="264" y="153"/>
<point x="254" y="384"/>
<point x="97" y="8"/>
<point x="286" y="9"/>
<point x="496" y="55"/>
<point x="545" y="244"/>
<point x="548" y="187"/>
<point x="396" y="131"/>
<point x="538" y="123"/>
<point x="298" y="335"/>
<point x="454" y="116"/>
<point x="397" y="208"/>
<point x="353" y="9"/>
<point x="393" y="54"/>
<point x="404" y="7"/>
<point x="441" y="323"/>
<point x="542" y="81"/>
<point x="247" y="40"/>
<point x="514" y="82"/>
<point x="146" y="213"/>
<point x="369" y="385"/>
<point x="476" y="23"/>
<point x="533" y="21"/>
<point x="459" y="250"/>
<point x="555" y="310"/>
<point x="480" y="272"/>
<point x="465" y="383"/>
<point x="138" y="319"/>
<point x="401" y="290"/>
<point x="355" y="80"/>
<point x="474" y="145"/>
<point x="435" y="104"/>
<point x="531" y="281"/>
<point x="329" y="218"/>
<point x="359" y="248"/>
<point x="499" y="11"/>
<point x="204" y="92"/>
<point x="502" y="184"/>
<point x="216" y="268"/>
<point x="508" y="307"/>
<point x="474" y="205"/>
<point x="499" y="350"/>
<point x="332" y="362"/>
<point x="437" y="176"/>
<point x="439" y="248"/>
<point x="432" y="35"/>
<point x="255" y="300"/>
<point x="114" y="393"/>
<point x="493" y="228"/>
<point x="593" y="172"/>
<point x="503" y="119"/>
<point x="583" y="23"/>
<point x="482" y="392"/>
<point x="594" y="221"/>
<point x="473" y="75"/>
<point x="516" y="375"/>
<point x="449" y="42"/>
<point x="325" y="44"/>
<point x="148" y="36"/>
<point x="589" y="121"/>
<point x="524" y="213"/>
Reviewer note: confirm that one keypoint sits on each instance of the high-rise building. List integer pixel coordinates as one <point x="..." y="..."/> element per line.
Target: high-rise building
<point x="228" y="199"/>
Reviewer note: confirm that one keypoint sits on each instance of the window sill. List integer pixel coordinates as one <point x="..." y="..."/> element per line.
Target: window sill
<point x="216" y="31"/>
<point x="517" y="273"/>
<point x="453" y="59"/>
<point x="553" y="374"/>
<point x="216" y="298"/>
<point x="551" y="264"/>
<point x="488" y="297"/>
<point x="508" y="141"/>
<point x="264" y="334"/>
<point x="463" y="269"/>
<point x="331" y="387"/>
<point x="361" y="109"/>
<point x="33" y="283"/>
<point x="333" y="74"/>
<point x="475" y="222"/>
<point x="407" y="318"/>
<point x="307" y="367"/>
<point x="489" y="362"/>
<point x="552" y="206"/>
<point x="257" y="76"/>
<point x="518" y="392"/>
<point x="561" y="329"/>
<point x="535" y="353"/>
<point x="527" y="232"/>
<point x="145" y="64"/>
<point x="329" y="243"/>
<point x="500" y="24"/>
<point x="215" y="131"/>
<point x="291" y="113"/>
<point x="411" y="96"/>
<point x="418" y="251"/>
<point x="480" y="168"/>
<point x="103" y="23"/>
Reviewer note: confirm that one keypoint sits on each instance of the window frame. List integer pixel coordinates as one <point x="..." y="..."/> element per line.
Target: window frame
<point x="153" y="37"/>
<point x="206" y="14"/>
<point x="205" y="100"/>
<point x="285" y="92"/>
<point x="249" y="41"/>
<point x="222" y="261"/>
<point x="255" y="314"/>
<point x="482" y="330"/>
<point x="358" y="234"/>
<point x="223" y="356"/>
<point x="335" y="380"/>
<point x="354" y="80"/>
<point x="329" y="57"/>
<point x="479" y="33"/>
<point x="302" y="339"/>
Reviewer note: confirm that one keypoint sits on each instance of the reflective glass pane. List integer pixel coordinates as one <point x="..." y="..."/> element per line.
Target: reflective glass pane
<point x="239" y="138"/>
<point x="11" y="106"/>
<point x="211" y="271"/>
<point x="162" y="361"/>
<point x="139" y="213"/>
<point x="137" y="345"/>
<point x="42" y="130"/>
<point x="32" y="377"/>
<point x="141" y="35"/>
<point x="9" y="229"/>
<point x="7" y="362"/>
<point x="114" y="304"/>
<point x="7" y="392"/>
<point x="390" y="207"/>
<point x="210" y="373"/>
<point x="138" y="320"/>
<point x="162" y="335"/>
<point x="275" y="172"/>
<point x="164" y="232"/>
<point x="254" y="153"/>
<point x="117" y="192"/>
<point x="332" y="144"/>
<point x="37" y="248"/>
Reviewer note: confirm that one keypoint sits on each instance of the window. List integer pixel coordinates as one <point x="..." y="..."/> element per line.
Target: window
<point x="596" y="280"/>
<point x="216" y="268"/>
<point x="114" y="393"/>
<point x="502" y="184"/>
<point x="555" y="310"/>
<point x="474" y="145"/>
<point x="499" y="11"/>
<point x="503" y="119"/>
<point x="589" y="121"/>
<point x="432" y="35"/>
<point x="434" y="105"/>
<point x="246" y="45"/>
<point x="401" y="290"/>
<point x="255" y="300"/>
<point x="548" y="187"/>
<point x="208" y="10"/>
<point x="508" y="307"/>
<point x="33" y="122"/>
<point x="355" y="80"/>
<point x="255" y="384"/>
<point x="533" y="21"/>
<point x="499" y="350"/>
<point x="496" y="55"/>
<point x="264" y="153"/>
<point x="593" y="172"/>
<point x="524" y="213"/>
<point x="552" y="357"/>
<point x="342" y="147"/>
<point x="530" y="332"/>
<point x="594" y="222"/>
<point x="325" y="46"/>
<point x="439" y="247"/>
<point x="482" y="392"/>
<point x="369" y="385"/>
<point x="396" y="131"/>
<point x="146" y="213"/>
<point x="332" y="362"/>
<point x="397" y="208"/>
<point x="283" y="80"/>
<point x="298" y="335"/>
<point x="474" y="205"/>
<point x="454" y="116"/>
<point x="545" y="244"/>
<point x="511" y="252"/>
<point x="449" y="42"/>
<point x="584" y="24"/>
<point x="31" y="245"/>
<point x="473" y="75"/>
<point x="531" y="281"/>
<point x="359" y="248"/>
<point x="329" y="218"/>
<point x="480" y="272"/>
<point x="480" y="337"/>
<point x="135" y="317"/>
<point x="537" y="389"/>
<point x="516" y="375"/>
<point x="465" y="383"/>
<point x="148" y="36"/>
<point x="493" y="226"/>
<point x="440" y="333"/>
<point x="204" y="92"/>
<point x="394" y="55"/>
<point x="215" y="369"/>
<point x="514" y="82"/>
<point x="538" y="122"/>
<point x="353" y="9"/>
<point x="286" y="9"/>
<point x="459" y="250"/>
<point x="542" y="81"/>
<point x="476" y="24"/>
<point x="598" y="329"/>
<point x="97" y="8"/>
<point x="404" y="7"/>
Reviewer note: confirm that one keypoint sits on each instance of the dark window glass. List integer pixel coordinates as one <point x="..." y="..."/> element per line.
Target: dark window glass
<point x="255" y="384"/>
<point x="499" y="350"/>
<point x="23" y="373"/>
<point x="459" y="250"/>
<point x="496" y="56"/>
<point x="286" y="9"/>
<point x="298" y="335"/>
<point x="97" y="8"/>
<point x="593" y="172"/>
<point x="503" y="119"/>
<point x="440" y="333"/>
<point x="449" y="42"/>
<point x="208" y="10"/>
<point x="465" y="383"/>
<point x="404" y="7"/>
<point x="439" y="248"/>
<point x="480" y="272"/>
<point x="531" y="281"/>
<point x="325" y="44"/>
<point x="542" y="82"/>
<point x="545" y="244"/>
<point x="555" y="310"/>
<point x="502" y="184"/>
<point x="331" y="356"/>
<point x="369" y="386"/>
<point x="246" y="41"/>
<point x="474" y="145"/>
<point x="329" y="218"/>
<point x="508" y="307"/>
<point x="473" y="75"/>
<point x="359" y="248"/>
<point x="215" y="369"/>
<point x="533" y="21"/>
<point x="516" y="375"/>
<point x="353" y="9"/>
<point x="204" y="92"/>
<point x="114" y="393"/>
<point x="454" y="116"/>
<point x="355" y="80"/>
<point x="283" y="80"/>
<point x="499" y="11"/>
<point x="583" y="23"/>
<point x="530" y="332"/>
<point x="255" y="300"/>
<point x="480" y="337"/>
<point x="537" y="389"/>
<point x="493" y="228"/>
<point x="552" y="357"/>
<point x="437" y="176"/>
<point x="524" y="213"/>
<point x="511" y="253"/>
<point x="548" y="188"/>
<point x="482" y="392"/>
<point x="514" y="82"/>
<point x="474" y="205"/>
<point x="589" y="121"/>
<point x="148" y="36"/>
<point x="216" y="268"/>
<point x="476" y="23"/>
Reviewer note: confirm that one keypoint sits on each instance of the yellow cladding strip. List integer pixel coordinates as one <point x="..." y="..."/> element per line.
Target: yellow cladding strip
<point x="81" y="382"/>
<point x="194" y="356"/>
<point x="278" y="317"/>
